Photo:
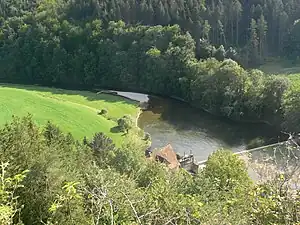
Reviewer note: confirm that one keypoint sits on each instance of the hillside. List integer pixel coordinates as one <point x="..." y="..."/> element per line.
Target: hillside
<point x="195" y="50"/>
<point x="255" y="29"/>
<point x="74" y="111"/>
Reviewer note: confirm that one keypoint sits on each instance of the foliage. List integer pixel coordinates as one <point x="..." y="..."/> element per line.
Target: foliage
<point x="75" y="49"/>
<point x="103" y="112"/>
<point x="9" y="208"/>
<point x="227" y="170"/>
<point x="64" y="185"/>
<point x="125" y="123"/>
<point x="292" y="105"/>
<point x="86" y="44"/>
<point x="66" y="208"/>
<point x="147" y="137"/>
<point x="268" y="26"/>
<point x="101" y="142"/>
<point x="275" y="204"/>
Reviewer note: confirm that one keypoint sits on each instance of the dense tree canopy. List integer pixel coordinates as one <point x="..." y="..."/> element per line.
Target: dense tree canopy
<point x="61" y="43"/>
<point x="256" y="29"/>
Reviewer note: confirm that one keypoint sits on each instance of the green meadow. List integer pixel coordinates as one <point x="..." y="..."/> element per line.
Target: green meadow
<point x="72" y="111"/>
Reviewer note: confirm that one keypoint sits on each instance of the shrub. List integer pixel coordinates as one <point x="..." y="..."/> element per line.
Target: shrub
<point x="103" y="112"/>
<point x="125" y="123"/>
<point x="101" y="142"/>
<point x="227" y="169"/>
<point x="147" y="137"/>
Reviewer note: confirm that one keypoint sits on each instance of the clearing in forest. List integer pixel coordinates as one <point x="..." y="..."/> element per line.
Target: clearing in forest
<point x="72" y="111"/>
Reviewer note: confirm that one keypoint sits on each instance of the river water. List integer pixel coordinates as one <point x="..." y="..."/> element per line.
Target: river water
<point x="190" y="130"/>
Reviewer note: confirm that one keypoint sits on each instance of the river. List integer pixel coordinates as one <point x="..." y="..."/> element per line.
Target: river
<point x="189" y="129"/>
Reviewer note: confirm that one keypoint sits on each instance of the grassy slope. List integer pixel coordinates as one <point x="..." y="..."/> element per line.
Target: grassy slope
<point x="73" y="111"/>
<point x="279" y="66"/>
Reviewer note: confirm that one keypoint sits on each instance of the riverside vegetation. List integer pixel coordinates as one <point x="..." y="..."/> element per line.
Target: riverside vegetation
<point x="48" y="177"/>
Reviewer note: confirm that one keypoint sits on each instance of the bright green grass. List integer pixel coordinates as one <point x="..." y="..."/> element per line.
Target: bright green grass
<point x="72" y="111"/>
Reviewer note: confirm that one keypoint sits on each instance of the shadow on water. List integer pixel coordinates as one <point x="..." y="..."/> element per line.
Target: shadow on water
<point x="190" y="129"/>
<point x="87" y="94"/>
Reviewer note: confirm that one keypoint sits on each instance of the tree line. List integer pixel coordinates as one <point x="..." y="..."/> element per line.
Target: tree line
<point x="39" y="45"/>
<point x="47" y="177"/>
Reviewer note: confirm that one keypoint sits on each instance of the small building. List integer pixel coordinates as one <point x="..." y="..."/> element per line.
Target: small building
<point x="168" y="156"/>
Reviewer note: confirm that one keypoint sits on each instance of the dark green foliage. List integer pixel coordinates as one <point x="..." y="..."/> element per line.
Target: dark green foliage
<point x="220" y="53"/>
<point x="103" y="112"/>
<point x="101" y="142"/>
<point x="51" y="133"/>
<point x="239" y="23"/>
<point x="293" y="41"/>
<point x="231" y="54"/>
<point x="50" y="162"/>
<point x="291" y="106"/>
<point x="204" y="49"/>
<point x="76" y="44"/>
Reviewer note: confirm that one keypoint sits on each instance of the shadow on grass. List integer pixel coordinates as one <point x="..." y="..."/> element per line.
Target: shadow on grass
<point x="115" y="129"/>
<point x="88" y="95"/>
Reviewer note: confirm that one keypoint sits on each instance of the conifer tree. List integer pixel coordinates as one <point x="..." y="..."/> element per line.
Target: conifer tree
<point x="254" y="43"/>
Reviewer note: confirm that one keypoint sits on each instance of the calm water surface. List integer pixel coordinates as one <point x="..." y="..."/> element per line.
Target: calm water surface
<point x="191" y="130"/>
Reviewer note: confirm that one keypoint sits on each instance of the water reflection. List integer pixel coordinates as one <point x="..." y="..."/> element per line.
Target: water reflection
<point x="189" y="129"/>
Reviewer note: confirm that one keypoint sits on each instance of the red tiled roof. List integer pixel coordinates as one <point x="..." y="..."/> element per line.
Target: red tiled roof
<point x="168" y="154"/>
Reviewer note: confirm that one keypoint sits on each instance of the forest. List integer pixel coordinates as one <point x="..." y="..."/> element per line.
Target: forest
<point x="65" y="44"/>
<point x="203" y="52"/>
<point x="254" y="29"/>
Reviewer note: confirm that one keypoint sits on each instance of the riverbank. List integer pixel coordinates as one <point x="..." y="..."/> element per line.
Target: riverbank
<point x="190" y="129"/>
<point x="138" y="97"/>
<point x="143" y="99"/>
<point x="234" y="120"/>
<point x="185" y="127"/>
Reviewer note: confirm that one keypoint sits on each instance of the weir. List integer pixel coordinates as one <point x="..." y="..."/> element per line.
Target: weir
<point x="188" y="162"/>
<point x="251" y="150"/>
